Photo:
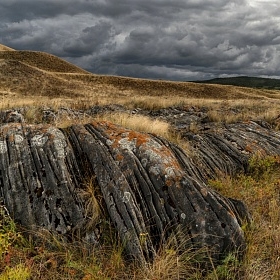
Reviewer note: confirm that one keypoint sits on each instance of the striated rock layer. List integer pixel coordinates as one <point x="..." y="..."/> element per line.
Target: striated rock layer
<point x="150" y="189"/>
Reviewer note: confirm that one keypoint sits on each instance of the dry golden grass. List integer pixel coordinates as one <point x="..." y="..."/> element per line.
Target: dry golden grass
<point x="64" y="121"/>
<point x="42" y="80"/>
<point x="27" y="75"/>
<point x="138" y="122"/>
<point x="92" y="201"/>
<point x="41" y="60"/>
<point x="242" y="110"/>
<point x="146" y="124"/>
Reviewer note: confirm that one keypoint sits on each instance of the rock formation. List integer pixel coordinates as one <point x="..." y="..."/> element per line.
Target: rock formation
<point x="149" y="188"/>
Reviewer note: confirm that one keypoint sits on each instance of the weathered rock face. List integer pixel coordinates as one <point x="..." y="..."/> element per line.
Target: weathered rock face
<point x="150" y="188"/>
<point x="36" y="183"/>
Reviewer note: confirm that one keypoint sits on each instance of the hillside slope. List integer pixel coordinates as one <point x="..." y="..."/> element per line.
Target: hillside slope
<point x="41" y="60"/>
<point x="29" y="73"/>
<point x="5" y="48"/>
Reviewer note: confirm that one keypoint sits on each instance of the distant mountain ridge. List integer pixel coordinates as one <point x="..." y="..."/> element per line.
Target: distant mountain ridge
<point x="245" y="81"/>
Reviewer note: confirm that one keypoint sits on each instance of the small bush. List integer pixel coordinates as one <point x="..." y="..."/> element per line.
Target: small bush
<point x="262" y="165"/>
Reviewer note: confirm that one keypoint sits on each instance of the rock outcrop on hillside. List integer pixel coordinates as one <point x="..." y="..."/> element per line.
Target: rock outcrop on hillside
<point x="149" y="188"/>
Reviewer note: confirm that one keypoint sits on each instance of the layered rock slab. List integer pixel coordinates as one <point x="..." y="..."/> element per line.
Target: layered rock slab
<point x="151" y="189"/>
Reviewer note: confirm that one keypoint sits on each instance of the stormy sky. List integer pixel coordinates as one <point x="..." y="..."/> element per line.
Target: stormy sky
<point x="159" y="39"/>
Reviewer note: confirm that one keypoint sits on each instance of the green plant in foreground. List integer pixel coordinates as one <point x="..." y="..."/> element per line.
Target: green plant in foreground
<point x="9" y="236"/>
<point x="262" y="165"/>
<point x="10" y="240"/>
<point x="19" y="272"/>
<point x="227" y="270"/>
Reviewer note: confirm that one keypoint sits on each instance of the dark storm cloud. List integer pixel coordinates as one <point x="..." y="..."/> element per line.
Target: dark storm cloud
<point x="91" y="39"/>
<point x="178" y="40"/>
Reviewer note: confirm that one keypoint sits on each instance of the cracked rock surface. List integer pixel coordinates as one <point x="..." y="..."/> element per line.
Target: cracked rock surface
<point x="150" y="188"/>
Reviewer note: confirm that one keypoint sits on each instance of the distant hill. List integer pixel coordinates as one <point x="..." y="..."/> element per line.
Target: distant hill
<point x="245" y="81"/>
<point x="33" y="73"/>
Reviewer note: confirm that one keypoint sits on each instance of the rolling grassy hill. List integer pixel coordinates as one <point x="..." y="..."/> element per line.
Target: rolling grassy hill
<point x="5" y="48"/>
<point x="42" y="61"/>
<point x="30" y="73"/>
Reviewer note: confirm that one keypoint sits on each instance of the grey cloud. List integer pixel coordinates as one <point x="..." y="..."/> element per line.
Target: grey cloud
<point x="179" y="40"/>
<point x="91" y="40"/>
<point x="17" y="10"/>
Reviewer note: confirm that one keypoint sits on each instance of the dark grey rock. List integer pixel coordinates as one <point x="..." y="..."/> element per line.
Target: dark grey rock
<point x="150" y="187"/>
<point x="48" y="116"/>
<point x="12" y="116"/>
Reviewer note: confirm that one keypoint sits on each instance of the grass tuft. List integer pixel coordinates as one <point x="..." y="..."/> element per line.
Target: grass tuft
<point x="92" y="202"/>
<point x="259" y="189"/>
<point x="138" y="123"/>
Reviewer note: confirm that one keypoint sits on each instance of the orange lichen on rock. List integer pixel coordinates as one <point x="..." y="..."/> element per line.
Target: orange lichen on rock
<point x="141" y="138"/>
<point x="11" y="138"/>
<point x="146" y="147"/>
<point x="119" y="157"/>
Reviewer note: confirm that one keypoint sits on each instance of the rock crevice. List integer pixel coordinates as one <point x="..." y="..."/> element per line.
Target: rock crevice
<point x="150" y="188"/>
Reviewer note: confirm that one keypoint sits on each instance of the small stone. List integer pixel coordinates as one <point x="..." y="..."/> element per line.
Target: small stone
<point x="48" y="116"/>
<point x="13" y="117"/>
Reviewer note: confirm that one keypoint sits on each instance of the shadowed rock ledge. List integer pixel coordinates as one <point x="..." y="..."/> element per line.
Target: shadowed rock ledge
<point x="150" y="188"/>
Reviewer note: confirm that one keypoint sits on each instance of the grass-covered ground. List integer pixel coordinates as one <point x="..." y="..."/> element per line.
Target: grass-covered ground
<point x="47" y="257"/>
